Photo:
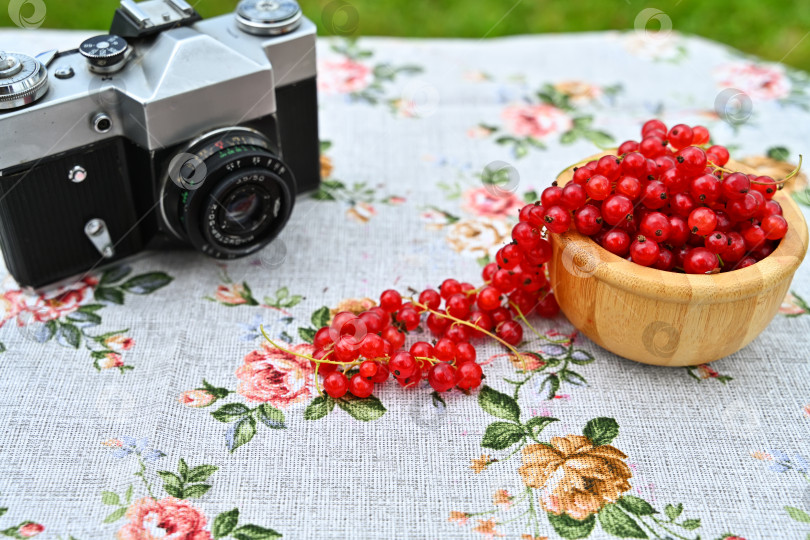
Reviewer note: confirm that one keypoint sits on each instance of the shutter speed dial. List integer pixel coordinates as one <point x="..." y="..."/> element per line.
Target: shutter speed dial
<point x="105" y="54"/>
<point x="23" y="80"/>
<point x="268" y="17"/>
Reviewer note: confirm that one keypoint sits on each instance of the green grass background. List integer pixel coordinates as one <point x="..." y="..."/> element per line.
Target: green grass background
<point x="773" y="29"/>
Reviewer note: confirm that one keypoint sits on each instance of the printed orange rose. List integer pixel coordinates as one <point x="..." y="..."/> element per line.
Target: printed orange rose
<point x="501" y="497"/>
<point x="354" y="305"/>
<point x="538" y="121"/>
<point x="326" y="166"/>
<point x="578" y="91"/>
<point x="233" y="293"/>
<point x="460" y="518"/>
<point x="706" y="372"/>
<point x="178" y="519"/>
<point x="491" y="202"/>
<point x="361" y="212"/>
<point x="119" y="343"/>
<point x="806" y="410"/>
<point x="574" y="476"/>
<point x="487" y="528"/>
<point x="196" y="398"/>
<point x="478" y="238"/>
<point x="111" y="360"/>
<point x="480" y="464"/>
<point x="274" y="376"/>
<point x="343" y="77"/>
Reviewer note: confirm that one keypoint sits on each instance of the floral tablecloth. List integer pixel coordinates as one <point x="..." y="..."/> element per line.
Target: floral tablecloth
<point x="143" y="401"/>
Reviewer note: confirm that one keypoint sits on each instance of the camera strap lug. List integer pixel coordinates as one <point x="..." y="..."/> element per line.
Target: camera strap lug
<point x="98" y="233"/>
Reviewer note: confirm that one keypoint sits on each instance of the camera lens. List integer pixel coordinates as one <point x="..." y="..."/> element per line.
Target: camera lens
<point x="229" y="194"/>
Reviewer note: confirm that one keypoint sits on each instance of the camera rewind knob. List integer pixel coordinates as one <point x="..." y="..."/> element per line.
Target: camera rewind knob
<point x="105" y="54"/>
<point x="23" y="80"/>
<point x="268" y="17"/>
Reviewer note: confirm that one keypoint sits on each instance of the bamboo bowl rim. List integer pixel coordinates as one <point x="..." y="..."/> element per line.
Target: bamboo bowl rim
<point x="675" y="287"/>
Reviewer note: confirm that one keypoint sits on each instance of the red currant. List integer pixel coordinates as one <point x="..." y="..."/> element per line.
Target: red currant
<point x="336" y="385"/>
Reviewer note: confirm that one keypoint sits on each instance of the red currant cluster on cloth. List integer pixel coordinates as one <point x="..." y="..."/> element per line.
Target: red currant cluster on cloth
<point x="358" y="351"/>
<point x="667" y="202"/>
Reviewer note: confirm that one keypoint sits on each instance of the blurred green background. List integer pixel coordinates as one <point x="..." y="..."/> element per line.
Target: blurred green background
<point x="773" y="29"/>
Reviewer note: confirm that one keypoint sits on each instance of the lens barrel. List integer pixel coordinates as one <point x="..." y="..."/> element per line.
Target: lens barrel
<point x="229" y="194"/>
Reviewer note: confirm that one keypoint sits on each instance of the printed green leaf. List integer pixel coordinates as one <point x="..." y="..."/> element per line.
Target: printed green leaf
<point x="254" y="532"/>
<point x="182" y="468"/>
<point x="637" y="505"/>
<point x="499" y="404"/>
<point x="71" y="334"/>
<point x="553" y="384"/>
<point x="307" y="334"/>
<point x="673" y="511"/>
<point x="282" y="293"/>
<point x="797" y="514"/>
<point x="195" y="491"/>
<point x="691" y="524"/>
<point x="531" y="196"/>
<point x="569" y="137"/>
<point x="539" y="423"/>
<point x="437" y="400"/>
<point x="91" y="308"/>
<point x="116" y="515"/>
<point x="230" y="412"/>
<point x="270" y="416"/>
<point x="110" y="498"/>
<point x="128" y="494"/>
<point x="84" y="317"/>
<point x="778" y="153"/>
<point x="599" y="138"/>
<point x="171" y="483"/>
<point x="240" y="433"/>
<point x="500" y="435"/>
<point x="319" y="407"/>
<point x="617" y="523"/>
<point x="201" y="473"/>
<point x="109" y="294"/>
<point x="320" y="317"/>
<point x="365" y="409"/>
<point x="3" y="511"/>
<point x="571" y="528"/>
<point x="574" y="378"/>
<point x="225" y="523"/>
<point x="147" y="283"/>
<point x="601" y="430"/>
<point x="581" y="357"/>
<point x="114" y="275"/>
<point x="217" y="392"/>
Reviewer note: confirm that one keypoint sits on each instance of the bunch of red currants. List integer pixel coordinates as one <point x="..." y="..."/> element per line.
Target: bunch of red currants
<point x="357" y="351"/>
<point x="666" y="202"/>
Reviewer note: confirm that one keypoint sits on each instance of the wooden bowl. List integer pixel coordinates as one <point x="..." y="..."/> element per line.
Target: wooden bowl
<point x="668" y="318"/>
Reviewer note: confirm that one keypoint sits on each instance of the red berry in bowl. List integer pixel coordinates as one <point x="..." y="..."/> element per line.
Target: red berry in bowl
<point x="700" y="135"/>
<point x="700" y="261"/>
<point x="666" y="260"/>
<point x="551" y="196"/>
<point x="629" y="186"/>
<point x="691" y="160"/>
<point x="717" y="242"/>
<point x="735" y="186"/>
<point x="547" y="307"/>
<point x="557" y="219"/>
<point x="597" y="187"/>
<point x="617" y="208"/>
<point x="655" y="226"/>
<point x="655" y="195"/>
<point x="680" y="136"/>
<point x="652" y="146"/>
<point x="508" y="257"/>
<point x="654" y="124"/>
<point x="775" y="227"/>
<point x="617" y="242"/>
<point x="609" y="166"/>
<point x="627" y="146"/>
<point x="643" y="251"/>
<point x="678" y="231"/>
<point x="526" y="235"/>
<point x="573" y="197"/>
<point x="718" y="155"/>
<point x="588" y="220"/>
<point x="702" y="221"/>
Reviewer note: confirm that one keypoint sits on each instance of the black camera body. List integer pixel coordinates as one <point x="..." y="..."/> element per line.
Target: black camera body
<point x="172" y="131"/>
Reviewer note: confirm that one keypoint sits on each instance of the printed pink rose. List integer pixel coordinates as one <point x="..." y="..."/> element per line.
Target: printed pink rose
<point x="59" y="304"/>
<point x="30" y="529"/>
<point x="271" y="375"/>
<point x="492" y="203"/>
<point x="343" y="77"/>
<point x="119" y="343"/>
<point x="178" y="519"/>
<point x="12" y="303"/>
<point x="759" y="81"/>
<point x="111" y="360"/>
<point x="538" y="121"/>
<point x="705" y="372"/>
<point x="196" y="398"/>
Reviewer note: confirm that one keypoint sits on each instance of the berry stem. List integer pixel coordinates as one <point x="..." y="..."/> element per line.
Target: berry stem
<point x="471" y="325"/>
<point x="538" y="334"/>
